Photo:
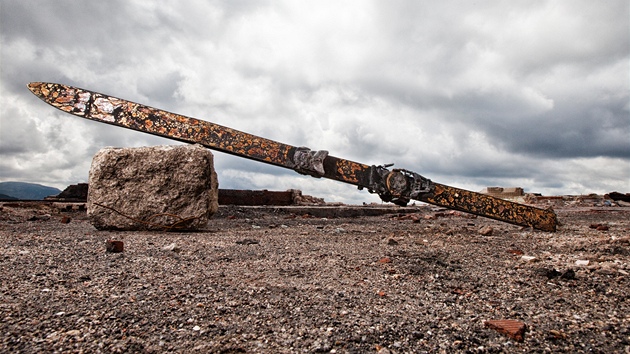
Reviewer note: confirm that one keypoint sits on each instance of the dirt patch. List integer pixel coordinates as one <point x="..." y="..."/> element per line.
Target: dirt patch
<point x="264" y="280"/>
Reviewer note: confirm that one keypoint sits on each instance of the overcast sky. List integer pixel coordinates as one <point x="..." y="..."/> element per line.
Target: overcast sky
<point x="467" y="93"/>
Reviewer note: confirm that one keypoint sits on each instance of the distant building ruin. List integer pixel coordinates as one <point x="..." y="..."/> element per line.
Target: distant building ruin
<point x="505" y="193"/>
<point x="79" y="192"/>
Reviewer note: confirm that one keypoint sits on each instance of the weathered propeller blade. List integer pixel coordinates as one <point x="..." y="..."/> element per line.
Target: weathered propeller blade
<point x="398" y="185"/>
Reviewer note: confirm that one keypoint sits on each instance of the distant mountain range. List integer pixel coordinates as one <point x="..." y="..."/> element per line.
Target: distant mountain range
<point x="26" y="191"/>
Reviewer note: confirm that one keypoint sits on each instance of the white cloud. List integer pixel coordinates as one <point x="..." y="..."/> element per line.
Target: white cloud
<point x="466" y="93"/>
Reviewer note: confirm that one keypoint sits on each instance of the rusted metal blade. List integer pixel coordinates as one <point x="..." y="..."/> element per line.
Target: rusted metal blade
<point x="126" y="114"/>
<point x="491" y="207"/>
<point x="115" y="111"/>
<point x="398" y="186"/>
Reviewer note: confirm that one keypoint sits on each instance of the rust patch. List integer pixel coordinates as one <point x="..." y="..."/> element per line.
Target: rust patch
<point x="111" y="110"/>
<point x="491" y="207"/>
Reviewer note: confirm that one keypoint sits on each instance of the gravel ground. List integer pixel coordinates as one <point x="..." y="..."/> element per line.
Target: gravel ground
<point x="263" y="281"/>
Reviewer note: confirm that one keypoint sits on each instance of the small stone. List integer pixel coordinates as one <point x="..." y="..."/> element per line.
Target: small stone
<point x="557" y="334"/>
<point x="568" y="275"/>
<point x="486" y="231"/>
<point x="511" y="328"/>
<point x="65" y="220"/>
<point x="551" y="273"/>
<point x="529" y="259"/>
<point x="599" y="227"/>
<point x="247" y="241"/>
<point x="392" y="242"/>
<point x="39" y="217"/>
<point x="171" y="248"/>
<point x="112" y="246"/>
<point x="73" y="332"/>
<point x="196" y="328"/>
<point x="582" y="262"/>
<point x="382" y="350"/>
<point x="385" y="260"/>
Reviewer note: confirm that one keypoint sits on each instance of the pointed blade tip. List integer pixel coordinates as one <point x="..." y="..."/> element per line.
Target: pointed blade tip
<point x="34" y="86"/>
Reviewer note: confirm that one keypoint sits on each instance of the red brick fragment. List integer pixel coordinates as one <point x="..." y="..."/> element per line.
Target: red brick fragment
<point x="65" y="220"/>
<point x="114" y="246"/>
<point x="385" y="260"/>
<point x="512" y="328"/>
<point x="599" y="227"/>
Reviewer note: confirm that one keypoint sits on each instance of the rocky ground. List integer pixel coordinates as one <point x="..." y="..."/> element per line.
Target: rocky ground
<point x="259" y="280"/>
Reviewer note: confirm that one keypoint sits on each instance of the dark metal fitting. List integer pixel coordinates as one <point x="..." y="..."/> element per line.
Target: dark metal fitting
<point x="376" y="182"/>
<point x="397" y="186"/>
<point x="407" y="184"/>
<point x="309" y="162"/>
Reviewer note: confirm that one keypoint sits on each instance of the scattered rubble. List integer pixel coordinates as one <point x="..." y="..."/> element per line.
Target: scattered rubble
<point x="305" y="283"/>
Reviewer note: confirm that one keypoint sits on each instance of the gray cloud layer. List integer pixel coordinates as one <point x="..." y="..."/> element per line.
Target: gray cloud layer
<point x="528" y="93"/>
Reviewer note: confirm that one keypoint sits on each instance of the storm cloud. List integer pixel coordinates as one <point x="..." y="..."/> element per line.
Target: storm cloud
<point x="472" y="94"/>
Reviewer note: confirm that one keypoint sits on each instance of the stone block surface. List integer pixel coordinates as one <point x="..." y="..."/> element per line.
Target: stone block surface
<point x="152" y="188"/>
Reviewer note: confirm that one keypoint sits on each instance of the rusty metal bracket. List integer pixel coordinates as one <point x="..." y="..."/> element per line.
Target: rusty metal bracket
<point x="376" y="181"/>
<point x="408" y="184"/>
<point x="309" y="162"/>
<point x="398" y="186"/>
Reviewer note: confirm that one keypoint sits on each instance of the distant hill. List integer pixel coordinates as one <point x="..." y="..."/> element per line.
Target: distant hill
<point x="23" y="190"/>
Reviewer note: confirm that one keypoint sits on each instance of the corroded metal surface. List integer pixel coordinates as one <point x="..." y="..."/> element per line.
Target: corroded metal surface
<point x="398" y="186"/>
<point x="491" y="207"/>
<point x="115" y="111"/>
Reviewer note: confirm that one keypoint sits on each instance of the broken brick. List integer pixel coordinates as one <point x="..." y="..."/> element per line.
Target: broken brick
<point x="112" y="246"/>
<point x="512" y="328"/>
<point x="599" y="227"/>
